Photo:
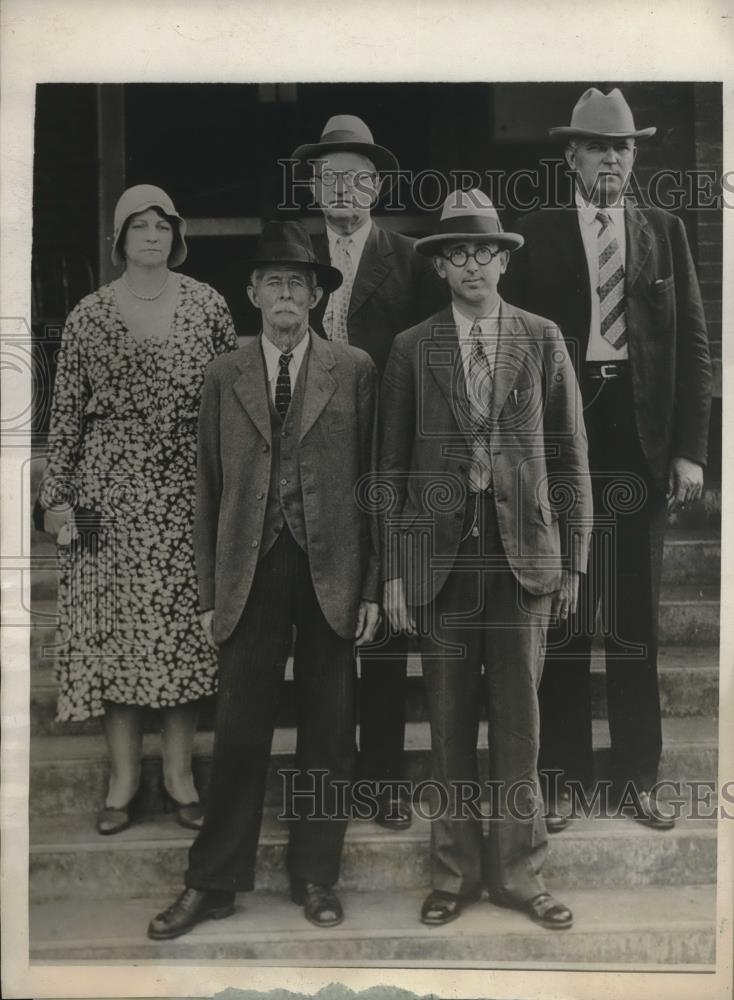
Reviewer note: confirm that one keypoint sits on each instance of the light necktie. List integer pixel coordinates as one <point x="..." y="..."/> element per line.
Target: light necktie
<point x="479" y="391"/>
<point x="335" y="320"/>
<point x="283" y="386"/>
<point x="613" y="325"/>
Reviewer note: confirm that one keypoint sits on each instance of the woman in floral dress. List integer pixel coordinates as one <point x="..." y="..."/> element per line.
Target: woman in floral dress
<point x="118" y="494"/>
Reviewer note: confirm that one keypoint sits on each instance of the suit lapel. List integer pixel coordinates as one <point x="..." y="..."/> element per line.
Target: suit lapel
<point x="511" y="356"/>
<point x="251" y="388"/>
<point x="320" y="384"/>
<point x="443" y="360"/>
<point x="638" y="244"/>
<point x="374" y="266"/>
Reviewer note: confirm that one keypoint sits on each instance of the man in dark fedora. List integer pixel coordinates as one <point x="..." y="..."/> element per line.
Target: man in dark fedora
<point x="386" y="288"/>
<point x="480" y="426"/>
<point x="619" y="281"/>
<point x="286" y="429"/>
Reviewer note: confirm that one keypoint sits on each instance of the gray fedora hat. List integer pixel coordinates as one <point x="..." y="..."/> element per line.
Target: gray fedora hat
<point x="602" y="116"/>
<point x="284" y="244"/>
<point x="347" y="133"/>
<point x="468" y="215"/>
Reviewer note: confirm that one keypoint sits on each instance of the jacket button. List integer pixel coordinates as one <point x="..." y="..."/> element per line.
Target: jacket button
<point x="259" y="496"/>
<point x="266" y="447"/>
<point x="459" y="516"/>
<point x="255" y="543"/>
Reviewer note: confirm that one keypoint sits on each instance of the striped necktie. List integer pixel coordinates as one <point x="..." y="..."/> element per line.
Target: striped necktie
<point x="613" y="325"/>
<point x="335" y="319"/>
<point x="479" y="391"/>
<point x="283" y="386"/>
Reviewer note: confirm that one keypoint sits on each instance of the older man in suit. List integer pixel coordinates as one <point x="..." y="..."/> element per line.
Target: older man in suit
<point x="386" y="288"/>
<point x="481" y="427"/>
<point x="620" y="283"/>
<point x="286" y="430"/>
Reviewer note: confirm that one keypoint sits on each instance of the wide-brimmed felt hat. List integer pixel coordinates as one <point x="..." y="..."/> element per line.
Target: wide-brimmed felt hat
<point x="468" y="215"/>
<point x="347" y="133"/>
<point x="602" y="116"/>
<point x="287" y="244"/>
<point x="138" y="199"/>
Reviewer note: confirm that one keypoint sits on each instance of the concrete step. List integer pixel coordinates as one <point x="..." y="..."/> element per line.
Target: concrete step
<point x="646" y="928"/>
<point x="688" y="677"/>
<point x="689" y="615"/>
<point x="68" y="773"/>
<point x="690" y="558"/>
<point x="69" y="859"/>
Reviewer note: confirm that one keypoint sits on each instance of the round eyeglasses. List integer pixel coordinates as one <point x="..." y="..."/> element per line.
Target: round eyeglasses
<point x="482" y="255"/>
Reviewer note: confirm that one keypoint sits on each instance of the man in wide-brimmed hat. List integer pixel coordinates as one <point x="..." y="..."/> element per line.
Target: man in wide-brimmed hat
<point x="287" y="427"/>
<point x="386" y="288"/>
<point x="480" y="411"/>
<point x="619" y="281"/>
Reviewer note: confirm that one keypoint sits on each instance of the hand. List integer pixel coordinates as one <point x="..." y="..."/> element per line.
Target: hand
<point x="685" y="483"/>
<point x="207" y="619"/>
<point x="60" y="525"/>
<point x="566" y="598"/>
<point x="396" y="608"/>
<point x="368" y="618"/>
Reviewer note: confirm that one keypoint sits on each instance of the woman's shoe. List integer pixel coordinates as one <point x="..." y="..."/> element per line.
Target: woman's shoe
<point x="111" y="819"/>
<point x="188" y="814"/>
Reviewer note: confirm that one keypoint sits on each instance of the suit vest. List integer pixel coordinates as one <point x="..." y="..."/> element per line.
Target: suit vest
<point x="285" y="498"/>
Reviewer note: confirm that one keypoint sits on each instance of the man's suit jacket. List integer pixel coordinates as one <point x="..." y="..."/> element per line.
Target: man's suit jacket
<point x="667" y="342"/>
<point x="537" y="441"/>
<point x="337" y="446"/>
<point x="394" y="288"/>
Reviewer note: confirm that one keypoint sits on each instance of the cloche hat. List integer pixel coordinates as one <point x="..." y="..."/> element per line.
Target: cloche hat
<point x="138" y="199"/>
<point x="467" y="215"/>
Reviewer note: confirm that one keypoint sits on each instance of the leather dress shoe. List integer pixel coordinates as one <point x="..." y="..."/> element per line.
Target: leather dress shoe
<point x="544" y="909"/>
<point x="191" y="907"/>
<point x="393" y="813"/>
<point x="556" y="817"/>
<point x="650" y="813"/>
<point x="188" y="814"/>
<point x="320" y="903"/>
<point x="441" y="907"/>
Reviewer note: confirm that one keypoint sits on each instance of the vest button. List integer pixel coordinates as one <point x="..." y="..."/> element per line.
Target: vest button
<point x="284" y="434"/>
<point x="284" y="482"/>
<point x="259" y="496"/>
<point x="255" y="543"/>
<point x="266" y="447"/>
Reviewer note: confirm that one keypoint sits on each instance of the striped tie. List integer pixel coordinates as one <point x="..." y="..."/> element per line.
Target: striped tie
<point x="283" y="386"/>
<point x="479" y="390"/>
<point x="611" y="284"/>
<point x="335" y="319"/>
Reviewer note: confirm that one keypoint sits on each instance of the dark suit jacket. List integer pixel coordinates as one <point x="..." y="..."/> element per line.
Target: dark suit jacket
<point x="537" y="441"/>
<point x="667" y="341"/>
<point x="394" y="288"/>
<point x="337" y="446"/>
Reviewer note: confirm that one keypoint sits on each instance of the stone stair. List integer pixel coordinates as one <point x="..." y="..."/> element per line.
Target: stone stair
<point x="641" y="899"/>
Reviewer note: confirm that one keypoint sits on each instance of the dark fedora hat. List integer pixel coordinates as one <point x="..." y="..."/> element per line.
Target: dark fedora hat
<point x="602" y="116"/>
<point x="347" y="133"/>
<point x="287" y="244"/>
<point x="468" y="215"/>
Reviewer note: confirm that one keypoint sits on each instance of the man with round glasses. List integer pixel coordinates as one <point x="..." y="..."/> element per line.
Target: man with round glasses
<point x="386" y="288"/>
<point x="484" y="469"/>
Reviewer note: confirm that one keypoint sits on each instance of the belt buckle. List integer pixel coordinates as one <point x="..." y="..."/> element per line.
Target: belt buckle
<point x="607" y="371"/>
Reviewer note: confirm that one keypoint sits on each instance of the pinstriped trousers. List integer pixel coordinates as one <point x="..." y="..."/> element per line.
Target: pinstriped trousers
<point x="251" y="672"/>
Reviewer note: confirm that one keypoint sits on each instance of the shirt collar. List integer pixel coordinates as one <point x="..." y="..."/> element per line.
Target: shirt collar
<point x="587" y="212"/>
<point x="464" y="323"/>
<point x="272" y="354"/>
<point x="358" y="238"/>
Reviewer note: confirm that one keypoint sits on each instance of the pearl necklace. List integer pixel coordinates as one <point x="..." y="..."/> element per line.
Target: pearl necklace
<point x="147" y="298"/>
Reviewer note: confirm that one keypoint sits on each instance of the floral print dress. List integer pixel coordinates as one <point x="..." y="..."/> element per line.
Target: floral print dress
<point x="122" y="450"/>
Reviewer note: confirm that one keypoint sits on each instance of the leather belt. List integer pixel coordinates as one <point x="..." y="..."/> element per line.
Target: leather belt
<point x="605" y="370"/>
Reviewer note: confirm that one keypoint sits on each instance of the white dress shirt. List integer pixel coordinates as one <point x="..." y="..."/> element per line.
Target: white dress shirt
<point x="598" y="348"/>
<point x="358" y="238"/>
<point x="272" y="361"/>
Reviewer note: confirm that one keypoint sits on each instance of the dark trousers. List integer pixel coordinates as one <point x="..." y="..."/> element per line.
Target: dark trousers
<point x="623" y="577"/>
<point x="482" y="618"/>
<point x="382" y="706"/>
<point x="252" y="666"/>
